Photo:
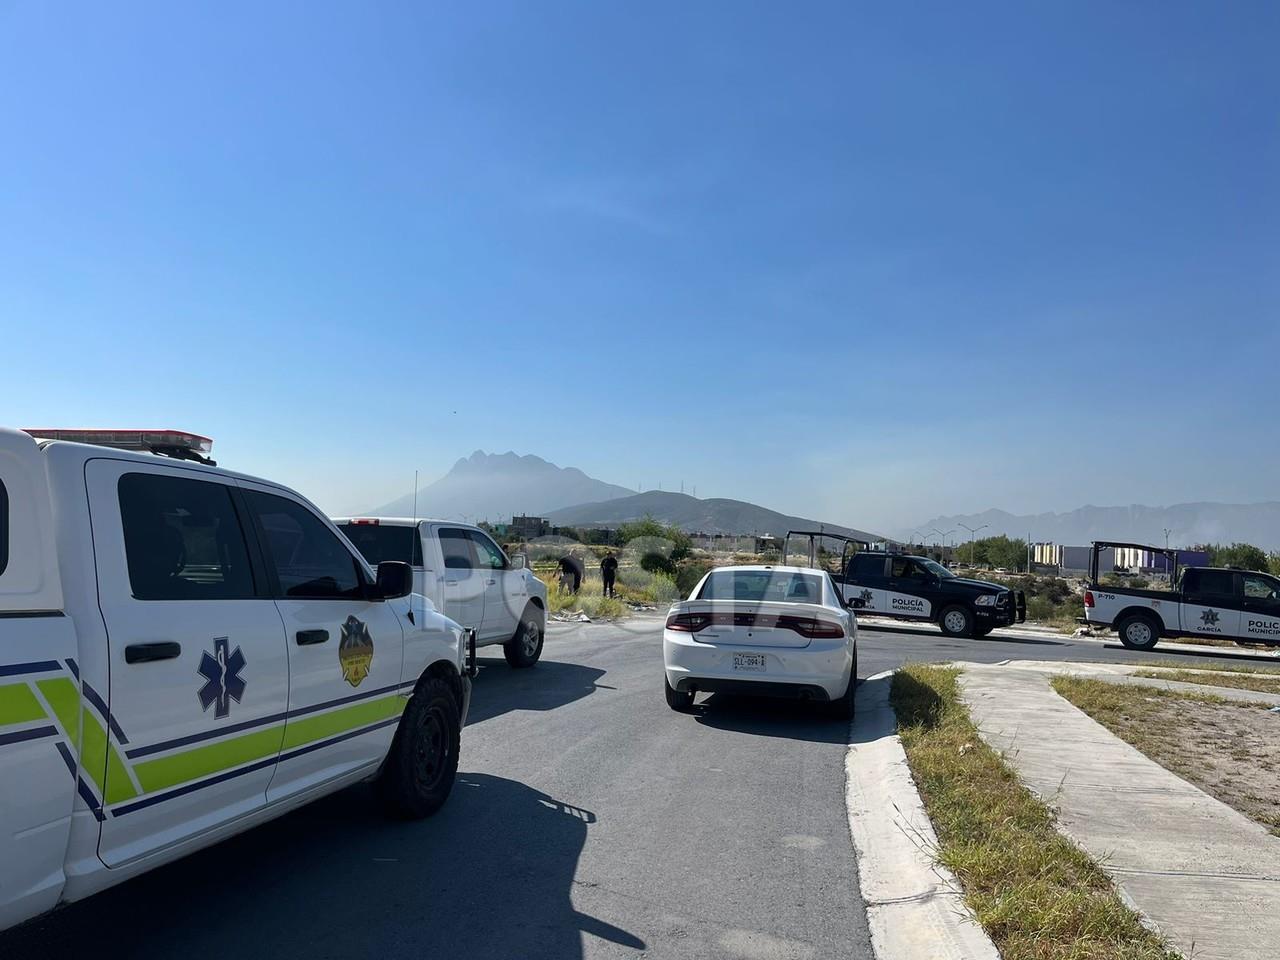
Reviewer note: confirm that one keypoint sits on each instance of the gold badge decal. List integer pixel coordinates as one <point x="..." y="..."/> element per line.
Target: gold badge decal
<point x="355" y="651"/>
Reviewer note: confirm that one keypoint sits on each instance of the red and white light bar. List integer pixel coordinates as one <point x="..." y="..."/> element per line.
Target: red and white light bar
<point x="144" y="440"/>
<point x="363" y="522"/>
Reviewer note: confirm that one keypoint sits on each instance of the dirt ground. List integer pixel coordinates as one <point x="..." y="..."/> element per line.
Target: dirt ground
<point x="1230" y="751"/>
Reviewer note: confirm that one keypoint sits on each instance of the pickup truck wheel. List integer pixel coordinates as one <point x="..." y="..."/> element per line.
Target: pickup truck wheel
<point x="419" y="771"/>
<point x="1138" y="632"/>
<point x="677" y="701"/>
<point x="524" y="649"/>
<point x="956" y="622"/>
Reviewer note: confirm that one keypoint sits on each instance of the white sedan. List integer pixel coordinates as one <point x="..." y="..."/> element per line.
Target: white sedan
<point x="763" y="631"/>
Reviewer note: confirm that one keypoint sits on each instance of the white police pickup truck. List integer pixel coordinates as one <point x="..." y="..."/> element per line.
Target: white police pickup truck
<point x="186" y="652"/>
<point x="1218" y="602"/>
<point x="464" y="573"/>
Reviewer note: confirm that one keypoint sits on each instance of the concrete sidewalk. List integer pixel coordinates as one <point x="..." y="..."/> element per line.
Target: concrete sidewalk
<point x="1207" y="876"/>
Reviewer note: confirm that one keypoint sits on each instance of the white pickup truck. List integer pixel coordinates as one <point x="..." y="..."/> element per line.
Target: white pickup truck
<point x="465" y="574"/>
<point x="1217" y="602"/>
<point x="186" y="652"/>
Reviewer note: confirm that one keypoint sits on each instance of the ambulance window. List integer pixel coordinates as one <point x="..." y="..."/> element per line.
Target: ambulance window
<point x="4" y="527"/>
<point x="310" y="562"/>
<point x="183" y="539"/>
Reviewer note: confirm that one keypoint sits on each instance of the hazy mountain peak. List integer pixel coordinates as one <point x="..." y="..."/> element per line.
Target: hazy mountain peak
<point x="496" y="486"/>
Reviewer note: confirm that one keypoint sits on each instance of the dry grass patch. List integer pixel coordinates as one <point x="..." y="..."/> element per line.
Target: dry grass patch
<point x="1238" y="681"/>
<point x="1228" y="749"/>
<point x="1037" y="895"/>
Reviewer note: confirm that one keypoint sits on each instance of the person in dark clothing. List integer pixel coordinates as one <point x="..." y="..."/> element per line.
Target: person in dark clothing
<point x="571" y="573"/>
<point x="609" y="573"/>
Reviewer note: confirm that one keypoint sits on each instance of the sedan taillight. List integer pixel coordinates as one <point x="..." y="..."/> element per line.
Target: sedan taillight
<point x="812" y="627"/>
<point x="688" y="622"/>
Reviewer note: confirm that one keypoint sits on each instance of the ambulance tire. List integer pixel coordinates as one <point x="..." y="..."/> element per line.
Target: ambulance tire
<point x="419" y="771"/>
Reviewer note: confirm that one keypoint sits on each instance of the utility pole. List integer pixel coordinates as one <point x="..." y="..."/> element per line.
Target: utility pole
<point x="973" y="532"/>
<point x="1167" y="531"/>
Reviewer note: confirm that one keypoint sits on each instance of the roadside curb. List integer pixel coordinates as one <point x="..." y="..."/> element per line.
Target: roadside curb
<point x="914" y="907"/>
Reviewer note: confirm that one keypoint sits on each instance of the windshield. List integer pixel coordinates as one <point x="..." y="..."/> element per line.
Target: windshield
<point x="377" y="543"/>
<point x="937" y="569"/>
<point x="762" y="585"/>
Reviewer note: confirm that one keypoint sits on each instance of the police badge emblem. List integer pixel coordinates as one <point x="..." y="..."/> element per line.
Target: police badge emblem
<point x="355" y="651"/>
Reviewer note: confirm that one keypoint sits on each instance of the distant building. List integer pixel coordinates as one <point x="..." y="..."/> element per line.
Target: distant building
<point x="528" y="528"/>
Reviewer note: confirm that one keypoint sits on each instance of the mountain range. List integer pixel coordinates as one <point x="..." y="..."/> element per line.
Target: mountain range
<point x="496" y="486"/>
<point x="1188" y="524"/>
<point x="712" y="515"/>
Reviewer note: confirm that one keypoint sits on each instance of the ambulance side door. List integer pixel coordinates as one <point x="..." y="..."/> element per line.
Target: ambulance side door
<point x="199" y="675"/>
<point x="345" y="649"/>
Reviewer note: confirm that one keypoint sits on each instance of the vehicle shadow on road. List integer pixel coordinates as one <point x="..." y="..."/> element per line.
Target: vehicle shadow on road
<point x="765" y="717"/>
<point x="490" y="877"/>
<point x="545" y="686"/>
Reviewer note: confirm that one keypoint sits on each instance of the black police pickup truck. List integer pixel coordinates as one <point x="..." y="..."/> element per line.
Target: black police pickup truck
<point x="920" y="589"/>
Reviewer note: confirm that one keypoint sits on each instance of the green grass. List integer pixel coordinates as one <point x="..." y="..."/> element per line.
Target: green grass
<point x="1239" y="681"/>
<point x="1037" y="895"/>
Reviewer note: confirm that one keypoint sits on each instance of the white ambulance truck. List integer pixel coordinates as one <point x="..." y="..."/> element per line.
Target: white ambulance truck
<point x="186" y="652"/>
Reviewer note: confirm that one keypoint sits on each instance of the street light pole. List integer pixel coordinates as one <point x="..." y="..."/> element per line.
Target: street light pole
<point x="973" y="531"/>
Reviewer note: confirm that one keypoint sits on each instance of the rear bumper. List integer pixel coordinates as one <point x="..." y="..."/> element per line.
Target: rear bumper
<point x="820" y="671"/>
<point x="753" y="688"/>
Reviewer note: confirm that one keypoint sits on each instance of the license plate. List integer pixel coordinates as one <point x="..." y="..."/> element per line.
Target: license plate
<point x="753" y="662"/>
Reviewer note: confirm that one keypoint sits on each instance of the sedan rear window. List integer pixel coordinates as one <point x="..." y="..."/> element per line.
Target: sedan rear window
<point x="762" y="585"/>
<point x="377" y="543"/>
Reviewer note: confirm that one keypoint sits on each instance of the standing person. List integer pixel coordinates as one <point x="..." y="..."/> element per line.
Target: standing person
<point x="571" y="572"/>
<point x="609" y="572"/>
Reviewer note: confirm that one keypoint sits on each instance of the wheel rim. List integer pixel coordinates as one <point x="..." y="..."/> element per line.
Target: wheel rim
<point x="1139" y="633"/>
<point x="431" y="755"/>
<point x="955" y="621"/>
<point x="529" y="643"/>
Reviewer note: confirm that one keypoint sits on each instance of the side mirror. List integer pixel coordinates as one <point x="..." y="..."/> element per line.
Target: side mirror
<point x="519" y="561"/>
<point x="855" y="603"/>
<point x="395" y="580"/>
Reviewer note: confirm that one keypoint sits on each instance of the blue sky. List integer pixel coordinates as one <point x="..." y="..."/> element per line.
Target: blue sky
<point x="866" y="262"/>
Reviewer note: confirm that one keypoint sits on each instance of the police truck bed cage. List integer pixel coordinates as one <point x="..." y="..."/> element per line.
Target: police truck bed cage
<point x="1100" y="545"/>
<point x="815" y="537"/>
<point x="178" y="444"/>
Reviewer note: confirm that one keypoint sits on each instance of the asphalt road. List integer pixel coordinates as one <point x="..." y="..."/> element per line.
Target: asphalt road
<point x="588" y="821"/>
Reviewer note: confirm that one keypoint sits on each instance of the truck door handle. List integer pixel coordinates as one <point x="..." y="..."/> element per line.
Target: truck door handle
<point x="147" y="652"/>
<point x="306" y="637"/>
<point x="451" y="583"/>
<point x="491" y="582"/>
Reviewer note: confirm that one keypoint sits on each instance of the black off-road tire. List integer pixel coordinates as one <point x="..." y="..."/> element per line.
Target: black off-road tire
<point x="420" y="768"/>
<point x="1138" y="631"/>
<point x="951" y="623"/>
<point x="525" y="648"/>
<point x="677" y="701"/>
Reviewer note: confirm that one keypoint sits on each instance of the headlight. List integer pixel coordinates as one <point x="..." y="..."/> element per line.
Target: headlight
<point x="986" y="600"/>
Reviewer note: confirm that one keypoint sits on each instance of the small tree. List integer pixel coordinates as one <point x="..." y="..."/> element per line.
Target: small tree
<point x="1243" y="555"/>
